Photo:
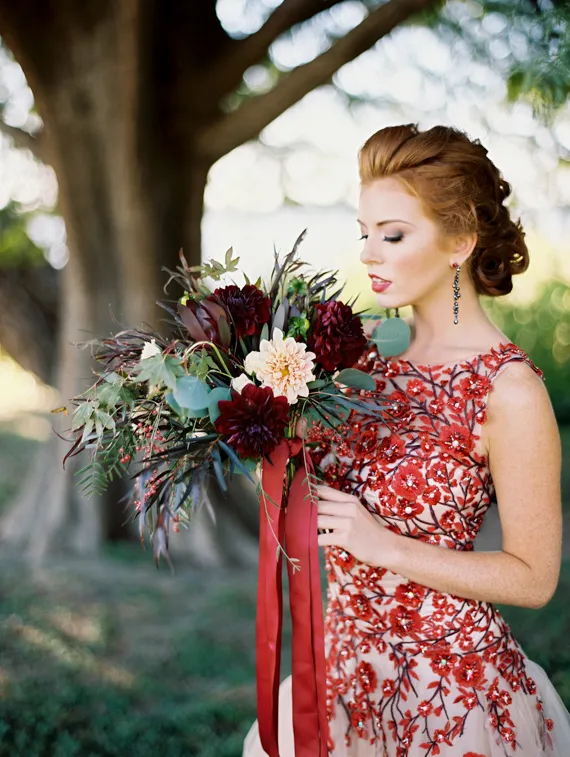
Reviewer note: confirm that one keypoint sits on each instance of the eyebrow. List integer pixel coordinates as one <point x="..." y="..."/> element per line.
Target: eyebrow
<point x="390" y="220"/>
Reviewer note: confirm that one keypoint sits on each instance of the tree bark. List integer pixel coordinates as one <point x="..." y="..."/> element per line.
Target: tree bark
<point x="132" y="125"/>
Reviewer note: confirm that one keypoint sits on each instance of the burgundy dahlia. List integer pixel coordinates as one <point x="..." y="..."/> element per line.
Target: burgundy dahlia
<point x="336" y="336"/>
<point x="248" y="307"/>
<point x="254" y="420"/>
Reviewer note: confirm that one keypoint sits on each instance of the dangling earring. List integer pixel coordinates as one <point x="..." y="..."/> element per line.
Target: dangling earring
<point x="397" y="312"/>
<point x="456" y="294"/>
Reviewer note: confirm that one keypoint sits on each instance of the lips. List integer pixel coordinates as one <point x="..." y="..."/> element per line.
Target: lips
<point x="379" y="279"/>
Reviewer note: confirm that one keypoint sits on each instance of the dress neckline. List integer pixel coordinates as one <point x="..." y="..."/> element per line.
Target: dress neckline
<point x="492" y="352"/>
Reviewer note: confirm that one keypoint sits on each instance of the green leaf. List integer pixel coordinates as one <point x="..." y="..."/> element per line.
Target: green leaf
<point x="218" y="470"/>
<point x="191" y="393"/>
<point x="356" y="379"/>
<point x="83" y="414"/>
<point x="158" y="370"/>
<point x="173" y="404"/>
<point x="264" y="332"/>
<point x="318" y="383"/>
<point x="243" y="466"/>
<point x="217" y="394"/>
<point x="392" y="337"/>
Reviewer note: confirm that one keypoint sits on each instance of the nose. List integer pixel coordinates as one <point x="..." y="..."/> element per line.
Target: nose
<point x="369" y="254"/>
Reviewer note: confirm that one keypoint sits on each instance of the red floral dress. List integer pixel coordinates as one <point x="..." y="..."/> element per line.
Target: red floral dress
<point x="414" y="672"/>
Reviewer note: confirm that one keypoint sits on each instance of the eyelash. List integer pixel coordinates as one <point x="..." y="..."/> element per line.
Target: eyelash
<point x="394" y="240"/>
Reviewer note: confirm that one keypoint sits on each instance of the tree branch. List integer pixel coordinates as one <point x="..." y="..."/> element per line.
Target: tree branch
<point x="245" y="123"/>
<point x="24" y="140"/>
<point x="227" y="73"/>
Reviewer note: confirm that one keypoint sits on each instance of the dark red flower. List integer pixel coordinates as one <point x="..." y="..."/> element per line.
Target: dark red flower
<point x="470" y="670"/>
<point x="254" y="420"/>
<point x="248" y="307"/>
<point x="336" y="336"/>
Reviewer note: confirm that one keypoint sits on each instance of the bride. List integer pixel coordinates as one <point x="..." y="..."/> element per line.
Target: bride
<point x="419" y="660"/>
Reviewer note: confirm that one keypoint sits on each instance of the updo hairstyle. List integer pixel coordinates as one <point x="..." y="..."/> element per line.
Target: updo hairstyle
<point x="460" y="188"/>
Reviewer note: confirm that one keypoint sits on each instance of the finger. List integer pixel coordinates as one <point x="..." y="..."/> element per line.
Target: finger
<point x="330" y="521"/>
<point x="333" y="495"/>
<point x="338" y="509"/>
<point x="329" y="540"/>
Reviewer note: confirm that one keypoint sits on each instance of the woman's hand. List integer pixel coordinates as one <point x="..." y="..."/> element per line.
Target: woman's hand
<point x="354" y="528"/>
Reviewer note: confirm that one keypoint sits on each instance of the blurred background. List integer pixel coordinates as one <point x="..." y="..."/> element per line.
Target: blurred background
<point x="131" y="129"/>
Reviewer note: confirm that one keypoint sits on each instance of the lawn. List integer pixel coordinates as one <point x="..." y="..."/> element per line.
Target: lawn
<point x="111" y="657"/>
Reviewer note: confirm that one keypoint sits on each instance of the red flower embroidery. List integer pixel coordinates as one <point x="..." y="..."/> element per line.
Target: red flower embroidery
<point x="392" y="448"/>
<point x="366" y="676"/>
<point x="409" y="481"/>
<point x="474" y="386"/>
<point x="416" y="387"/>
<point x="408" y="509"/>
<point x="410" y="594"/>
<point x="368" y="441"/>
<point x="405" y="621"/>
<point x="470" y="670"/>
<point x="361" y="607"/>
<point x="425" y="708"/>
<point x="441" y="659"/>
<point x="457" y="439"/>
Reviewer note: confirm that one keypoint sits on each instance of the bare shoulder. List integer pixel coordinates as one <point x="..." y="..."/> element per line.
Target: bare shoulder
<point x="519" y="408"/>
<point x="517" y="386"/>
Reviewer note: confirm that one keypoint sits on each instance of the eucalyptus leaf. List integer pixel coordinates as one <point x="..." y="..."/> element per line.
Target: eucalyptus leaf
<point x="356" y="379"/>
<point x="217" y="394"/>
<point x="173" y="404"/>
<point x="317" y="383"/>
<point x="391" y="337"/>
<point x="192" y="393"/>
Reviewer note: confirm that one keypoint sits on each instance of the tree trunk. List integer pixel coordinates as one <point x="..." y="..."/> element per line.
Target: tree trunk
<point x="131" y="193"/>
<point x="133" y="95"/>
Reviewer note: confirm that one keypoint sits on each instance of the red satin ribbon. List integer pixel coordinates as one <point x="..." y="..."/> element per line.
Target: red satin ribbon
<point x="294" y="524"/>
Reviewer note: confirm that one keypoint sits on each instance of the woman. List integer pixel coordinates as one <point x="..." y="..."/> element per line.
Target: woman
<point x="419" y="661"/>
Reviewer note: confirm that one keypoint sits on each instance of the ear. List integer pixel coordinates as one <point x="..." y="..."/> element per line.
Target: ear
<point x="463" y="246"/>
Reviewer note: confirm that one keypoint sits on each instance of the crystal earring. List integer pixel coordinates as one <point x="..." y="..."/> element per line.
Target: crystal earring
<point x="456" y="293"/>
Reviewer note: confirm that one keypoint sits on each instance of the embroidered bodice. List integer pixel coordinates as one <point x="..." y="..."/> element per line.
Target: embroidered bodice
<point x="407" y="665"/>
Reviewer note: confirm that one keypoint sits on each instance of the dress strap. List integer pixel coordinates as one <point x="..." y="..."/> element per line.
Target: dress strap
<point x="511" y="354"/>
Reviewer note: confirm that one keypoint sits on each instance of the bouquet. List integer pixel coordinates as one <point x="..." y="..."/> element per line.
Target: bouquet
<point x="221" y="395"/>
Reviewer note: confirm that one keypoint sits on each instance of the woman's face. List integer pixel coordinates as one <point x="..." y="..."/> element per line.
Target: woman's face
<point x="402" y="245"/>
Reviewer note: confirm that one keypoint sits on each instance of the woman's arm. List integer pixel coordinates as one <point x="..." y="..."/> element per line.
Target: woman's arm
<point x="525" y="461"/>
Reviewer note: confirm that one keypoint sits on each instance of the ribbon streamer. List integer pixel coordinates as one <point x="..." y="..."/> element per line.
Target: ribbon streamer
<point x="295" y="523"/>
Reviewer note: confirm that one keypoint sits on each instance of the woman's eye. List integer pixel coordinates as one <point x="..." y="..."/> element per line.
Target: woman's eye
<point x="394" y="239"/>
<point x="364" y="236"/>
